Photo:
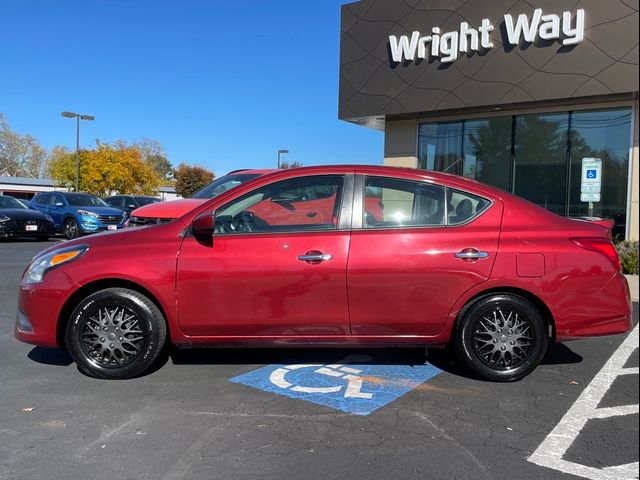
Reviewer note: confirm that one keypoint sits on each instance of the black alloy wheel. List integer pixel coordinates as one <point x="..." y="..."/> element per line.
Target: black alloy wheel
<point x="501" y="337"/>
<point x="71" y="229"/>
<point x="115" y="333"/>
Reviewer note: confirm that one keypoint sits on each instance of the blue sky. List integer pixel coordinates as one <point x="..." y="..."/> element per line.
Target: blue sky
<point x="224" y="84"/>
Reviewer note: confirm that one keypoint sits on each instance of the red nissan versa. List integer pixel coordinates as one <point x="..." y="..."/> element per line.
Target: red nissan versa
<point x="332" y="256"/>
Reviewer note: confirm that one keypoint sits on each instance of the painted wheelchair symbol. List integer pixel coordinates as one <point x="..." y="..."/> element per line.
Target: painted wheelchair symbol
<point x="352" y="389"/>
<point x="592" y="174"/>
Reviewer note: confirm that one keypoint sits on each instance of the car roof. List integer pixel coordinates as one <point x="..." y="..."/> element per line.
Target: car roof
<point x="399" y="172"/>
<point x="253" y="171"/>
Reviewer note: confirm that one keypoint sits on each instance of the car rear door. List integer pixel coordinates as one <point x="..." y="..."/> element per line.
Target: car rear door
<point x="416" y="247"/>
<point x="277" y="266"/>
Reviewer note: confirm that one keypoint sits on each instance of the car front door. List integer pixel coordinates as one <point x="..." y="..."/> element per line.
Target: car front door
<point x="57" y="208"/>
<point x="277" y="266"/>
<point x="414" y="251"/>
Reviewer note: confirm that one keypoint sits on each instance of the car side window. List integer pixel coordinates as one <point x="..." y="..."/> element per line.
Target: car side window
<point x="116" y="202"/>
<point x="295" y="205"/>
<point x="392" y="202"/>
<point x="44" y="199"/>
<point x="464" y="206"/>
<point x="57" y="198"/>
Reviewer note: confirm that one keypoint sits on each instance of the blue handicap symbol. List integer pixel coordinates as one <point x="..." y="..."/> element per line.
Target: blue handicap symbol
<point x="592" y="173"/>
<point x="354" y="384"/>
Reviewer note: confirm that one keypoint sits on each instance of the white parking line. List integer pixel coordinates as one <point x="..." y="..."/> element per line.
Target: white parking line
<point x="552" y="449"/>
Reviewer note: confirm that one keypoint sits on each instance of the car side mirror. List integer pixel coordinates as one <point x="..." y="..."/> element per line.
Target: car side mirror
<point x="203" y="227"/>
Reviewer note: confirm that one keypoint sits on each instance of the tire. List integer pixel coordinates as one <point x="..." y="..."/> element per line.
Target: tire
<point x="501" y="338"/>
<point x="95" y="337"/>
<point x="71" y="229"/>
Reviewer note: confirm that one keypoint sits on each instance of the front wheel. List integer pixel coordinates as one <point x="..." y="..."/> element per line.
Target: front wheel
<point x="501" y="338"/>
<point x="71" y="229"/>
<point x="115" y="333"/>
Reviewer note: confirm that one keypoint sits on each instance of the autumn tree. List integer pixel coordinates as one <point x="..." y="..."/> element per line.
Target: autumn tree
<point x="190" y="179"/>
<point x="20" y="155"/>
<point x="105" y="170"/>
<point x="154" y="154"/>
<point x="285" y="164"/>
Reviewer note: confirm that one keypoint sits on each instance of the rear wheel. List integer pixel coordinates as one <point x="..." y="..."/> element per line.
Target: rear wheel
<point x="501" y="337"/>
<point x="115" y="333"/>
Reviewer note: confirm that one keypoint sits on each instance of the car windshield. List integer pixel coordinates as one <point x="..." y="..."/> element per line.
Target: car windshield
<point x="84" y="200"/>
<point x="10" y="202"/>
<point x="146" y="200"/>
<point x="223" y="184"/>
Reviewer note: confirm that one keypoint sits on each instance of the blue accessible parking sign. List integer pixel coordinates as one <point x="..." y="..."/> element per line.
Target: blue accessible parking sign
<point x="354" y="384"/>
<point x="592" y="173"/>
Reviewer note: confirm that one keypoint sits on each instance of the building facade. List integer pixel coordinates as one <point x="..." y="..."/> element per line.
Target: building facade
<point x="539" y="99"/>
<point x="26" y="187"/>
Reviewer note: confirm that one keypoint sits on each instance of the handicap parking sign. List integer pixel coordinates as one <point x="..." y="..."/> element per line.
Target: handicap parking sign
<point x="592" y="173"/>
<point x="357" y="384"/>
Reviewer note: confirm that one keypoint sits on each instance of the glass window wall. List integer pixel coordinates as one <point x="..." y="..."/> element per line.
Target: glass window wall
<point x="538" y="157"/>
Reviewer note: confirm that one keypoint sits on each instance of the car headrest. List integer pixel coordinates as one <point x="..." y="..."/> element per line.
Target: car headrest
<point x="464" y="208"/>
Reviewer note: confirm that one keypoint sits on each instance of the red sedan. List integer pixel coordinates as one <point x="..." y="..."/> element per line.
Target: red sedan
<point x="332" y="256"/>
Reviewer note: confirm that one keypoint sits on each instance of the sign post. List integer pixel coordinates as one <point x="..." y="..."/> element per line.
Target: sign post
<point x="591" y="183"/>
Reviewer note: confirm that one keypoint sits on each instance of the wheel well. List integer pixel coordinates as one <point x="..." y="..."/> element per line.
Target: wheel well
<point x="93" y="287"/>
<point x="539" y="304"/>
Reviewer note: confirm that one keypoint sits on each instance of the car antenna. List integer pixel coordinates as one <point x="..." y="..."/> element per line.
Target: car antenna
<point x="452" y="165"/>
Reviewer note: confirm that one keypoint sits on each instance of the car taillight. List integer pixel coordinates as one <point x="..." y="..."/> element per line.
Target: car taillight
<point x="600" y="245"/>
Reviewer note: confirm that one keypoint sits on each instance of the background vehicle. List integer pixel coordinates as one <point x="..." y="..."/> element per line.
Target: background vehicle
<point x="295" y="257"/>
<point x="76" y="214"/>
<point x="16" y="219"/>
<point x="128" y="203"/>
<point x="168" y="211"/>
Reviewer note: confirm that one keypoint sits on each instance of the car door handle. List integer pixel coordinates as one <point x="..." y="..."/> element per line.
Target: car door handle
<point x="315" y="257"/>
<point x="471" y="254"/>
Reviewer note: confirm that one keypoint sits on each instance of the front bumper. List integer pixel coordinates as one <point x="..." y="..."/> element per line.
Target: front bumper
<point x="15" y="228"/>
<point x="91" y="225"/>
<point x="39" y="309"/>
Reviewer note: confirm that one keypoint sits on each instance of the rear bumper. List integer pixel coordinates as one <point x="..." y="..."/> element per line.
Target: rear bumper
<point x="607" y="311"/>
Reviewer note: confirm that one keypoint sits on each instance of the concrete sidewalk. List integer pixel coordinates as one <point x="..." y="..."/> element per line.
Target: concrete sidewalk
<point x="633" y="286"/>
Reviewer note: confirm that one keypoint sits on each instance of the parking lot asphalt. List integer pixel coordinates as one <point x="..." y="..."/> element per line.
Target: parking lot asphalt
<point x="188" y="420"/>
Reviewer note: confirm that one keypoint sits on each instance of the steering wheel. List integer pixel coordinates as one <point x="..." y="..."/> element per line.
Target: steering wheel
<point x="243" y="222"/>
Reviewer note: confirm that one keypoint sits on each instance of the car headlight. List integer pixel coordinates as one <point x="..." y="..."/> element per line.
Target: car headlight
<point x="86" y="213"/>
<point x="4" y="218"/>
<point x="41" y="265"/>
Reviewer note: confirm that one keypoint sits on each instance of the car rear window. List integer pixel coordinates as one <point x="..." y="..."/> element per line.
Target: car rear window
<point x="464" y="206"/>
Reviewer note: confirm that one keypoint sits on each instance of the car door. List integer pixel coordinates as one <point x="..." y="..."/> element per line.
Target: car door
<point x="415" y="249"/>
<point x="42" y="202"/>
<point x="277" y="266"/>
<point x="57" y="208"/>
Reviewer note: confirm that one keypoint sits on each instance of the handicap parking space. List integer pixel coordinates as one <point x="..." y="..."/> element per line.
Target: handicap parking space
<point x="356" y="383"/>
<point x="316" y="413"/>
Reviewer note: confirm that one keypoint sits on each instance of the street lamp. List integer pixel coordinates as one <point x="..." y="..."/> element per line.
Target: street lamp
<point x="78" y="117"/>
<point x="281" y="152"/>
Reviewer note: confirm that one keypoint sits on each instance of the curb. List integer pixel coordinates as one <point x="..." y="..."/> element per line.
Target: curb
<point x="633" y="286"/>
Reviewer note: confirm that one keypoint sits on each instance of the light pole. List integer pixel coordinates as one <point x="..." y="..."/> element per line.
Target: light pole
<point x="78" y="117"/>
<point x="281" y="152"/>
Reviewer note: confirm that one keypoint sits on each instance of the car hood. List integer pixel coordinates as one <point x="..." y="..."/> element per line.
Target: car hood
<point x="100" y="210"/>
<point x="95" y="240"/>
<point x="172" y="209"/>
<point x="22" y="214"/>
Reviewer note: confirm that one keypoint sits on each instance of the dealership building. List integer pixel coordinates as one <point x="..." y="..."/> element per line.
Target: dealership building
<point x="539" y="99"/>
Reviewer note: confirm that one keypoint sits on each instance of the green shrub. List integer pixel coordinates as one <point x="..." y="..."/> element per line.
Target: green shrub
<point x="628" y="253"/>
